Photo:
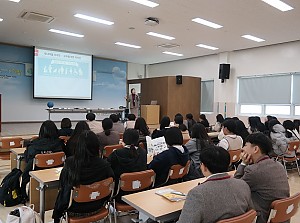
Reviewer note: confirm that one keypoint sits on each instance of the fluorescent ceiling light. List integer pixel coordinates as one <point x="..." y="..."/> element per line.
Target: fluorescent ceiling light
<point x="93" y="19"/>
<point x="66" y="33"/>
<point x="127" y="45"/>
<point x="173" y="54"/>
<point x="1" y="19"/>
<point x="256" y="39"/>
<point x="14" y="0"/>
<point x="279" y="5"/>
<point x="207" y="23"/>
<point x="160" y="35"/>
<point x="146" y="3"/>
<point x="207" y="47"/>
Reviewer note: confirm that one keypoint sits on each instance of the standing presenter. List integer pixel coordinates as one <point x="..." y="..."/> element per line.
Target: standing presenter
<point x="133" y="100"/>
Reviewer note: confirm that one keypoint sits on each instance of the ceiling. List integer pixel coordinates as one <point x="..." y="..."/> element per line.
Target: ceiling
<point x="238" y="17"/>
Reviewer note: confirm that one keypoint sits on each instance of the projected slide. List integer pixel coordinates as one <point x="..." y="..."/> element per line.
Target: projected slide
<point x="62" y="74"/>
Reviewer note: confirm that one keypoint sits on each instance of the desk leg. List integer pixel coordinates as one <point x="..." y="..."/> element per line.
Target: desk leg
<point x="42" y="201"/>
<point x="13" y="161"/>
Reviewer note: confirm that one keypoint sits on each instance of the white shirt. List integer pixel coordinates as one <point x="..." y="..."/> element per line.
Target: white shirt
<point x="236" y="142"/>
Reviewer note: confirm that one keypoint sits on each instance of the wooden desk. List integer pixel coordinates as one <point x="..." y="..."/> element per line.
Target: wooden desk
<point x="16" y="156"/>
<point x="158" y="208"/>
<point x="149" y="158"/>
<point x="44" y="183"/>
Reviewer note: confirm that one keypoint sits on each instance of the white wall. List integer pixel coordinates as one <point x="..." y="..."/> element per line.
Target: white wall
<point x="281" y="58"/>
<point x="135" y="71"/>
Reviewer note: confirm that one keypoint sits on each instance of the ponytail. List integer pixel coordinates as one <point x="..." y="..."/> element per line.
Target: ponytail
<point x="107" y="132"/>
<point x="133" y="150"/>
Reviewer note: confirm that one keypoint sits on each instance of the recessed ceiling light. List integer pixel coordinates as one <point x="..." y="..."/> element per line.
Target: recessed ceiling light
<point x="14" y="0"/>
<point x="127" y="45"/>
<point x="66" y="33"/>
<point x="146" y="3"/>
<point x="93" y="19"/>
<point x="173" y="54"/>
<point x="1" y="19"/>
<point x="279" y="5"/>
<point x="254" y="38"/>
<point x="160" y="35"/>
<point x="207" y="23"/>
<point x="207" y="47"/>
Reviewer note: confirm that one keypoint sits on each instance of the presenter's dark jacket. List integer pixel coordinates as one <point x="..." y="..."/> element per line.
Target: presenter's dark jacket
<point x="39" y="146"/>
<point x="95" y="170"/>
<point x="123" y="161"/>
<point x="162" y="162"/>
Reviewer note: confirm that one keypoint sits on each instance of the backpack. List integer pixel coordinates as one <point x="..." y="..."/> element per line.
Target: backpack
<point x="22" y="214"/>
<point x="10" y="192"/>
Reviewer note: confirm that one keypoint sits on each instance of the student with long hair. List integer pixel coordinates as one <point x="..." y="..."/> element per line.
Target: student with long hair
<point x="108" y="137"/>
<point x="291" y="132"/>
<point x="203" y="120"/>
<point x="219" y="121"/>
<point x="47" y="142"/>
<point x="143" y="129"/>
<point x="190" y="121"/>
<point x="241" y="130"/>
<point x="129" y="159"/>
<point x="84" y="168"/>
<point x="164" y="125"/>
<point x="72" y="142"/>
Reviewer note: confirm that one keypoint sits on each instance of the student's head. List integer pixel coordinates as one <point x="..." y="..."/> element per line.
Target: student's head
<point x="178" y="119"/>
<point x="173" y="136"/>
<point x="182" y="127"/>
<point x="214" y="159"/>
<point x="131" y="137"/>
<point x="199" y="132"/>
<point x="132" y="91"/>
<point x="189" y="116"/>
<point x="257" y="144"/>
<point x="107" y="125"/>
<point x="202" y="117"/>
<point x="297" y="124"/>
<point x="140" y="124"/>
<point x="131" y="117"/>
<point x="48" y="130"/>
<point x="229" y="127"/>
<point x="114" y="117"/>
<point x="90" y="116"/>
<point x="65" y="123"/>
<point x="288" y="124"/>
<point x="252" y="121"/>
<point x="240" y="126"/>
<point x="220" y="118"/>
<point x="164" y="122"/>
<point x="80" y="127"/>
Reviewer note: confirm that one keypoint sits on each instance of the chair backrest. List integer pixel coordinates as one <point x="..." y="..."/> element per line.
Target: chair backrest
<point x="65" y="138"/>
<point x="136" y="181"/>
<point x="283" y="209"/>
<point x="94" y="191"/>
<point x="293" y="146"/>
<point x="49" y="160"/>
<point x="235" y="155"/>
<point x="109" y="149"/>
<point x="248" y="217"/>
<point x="11" y="142"/>
<point x="178" y="172"/>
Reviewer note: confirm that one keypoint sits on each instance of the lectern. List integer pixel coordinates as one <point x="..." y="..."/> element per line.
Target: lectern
<point x="150" y="113"/>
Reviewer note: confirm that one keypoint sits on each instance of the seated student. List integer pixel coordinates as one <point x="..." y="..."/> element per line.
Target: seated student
<point x="94" y="125"/>
<point x="190" y="121"/>
<point x="241" y="130"/>
<point x="117" y="126"/>
<point x="291" y="132"/>
<point x="204" y="121"/>
<point x="108" y="137"/>
<point x="255" y="125"/>
<point x="164" y="125"/>
<point x="176" y="154"/>
<point x="84" y="168"/>
<point x="230" y="141"/>
<point x="184" y="131"/>
<point x="267" y="178"/>
<point x="178" y="119"/>
<point x="218" y="125"/>
<point x="220" y="196"/>
<point x="72" y="142"/>
<point x="143" y="129"/>
<point x="129" y="124"/>
<point x="131" y="158"/>
<point x="199" y="141"/>
<point x="65" y="127"/>
<point x="47" y="142"/>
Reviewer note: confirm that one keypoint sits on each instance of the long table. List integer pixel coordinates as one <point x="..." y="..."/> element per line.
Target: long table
<point x="84" y="110"/>
<point x="157" y="207"/>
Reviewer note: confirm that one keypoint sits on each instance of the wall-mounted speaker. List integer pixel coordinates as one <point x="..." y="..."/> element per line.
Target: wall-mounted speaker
<point x="224" y="71"/>
<point x="178" y="79"/>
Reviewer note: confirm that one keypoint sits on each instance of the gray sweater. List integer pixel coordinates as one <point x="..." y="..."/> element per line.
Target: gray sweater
<point x="215" y="200"/>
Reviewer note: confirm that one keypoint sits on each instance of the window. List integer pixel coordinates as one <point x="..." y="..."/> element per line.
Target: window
<point x="207" y="96"/>
<point x="297" y="110"/>
<point x="278" y="110"/>
<point x="251" y="109"/>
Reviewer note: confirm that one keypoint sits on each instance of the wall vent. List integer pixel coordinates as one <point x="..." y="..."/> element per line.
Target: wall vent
<point x="34" y="16"/>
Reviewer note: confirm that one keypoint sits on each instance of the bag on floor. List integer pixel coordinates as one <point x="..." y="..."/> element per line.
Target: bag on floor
<point x="10" y="192"/>
<point x="22" y="214"/>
